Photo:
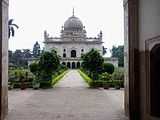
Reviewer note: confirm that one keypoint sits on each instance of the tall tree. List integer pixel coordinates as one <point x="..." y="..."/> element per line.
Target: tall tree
<point x="11" y="28"/>
<point x="118" y="52"/>
<point x="93" y="62"/>
<point x="18" y="58"/>
<point x="27" y="53"/>
<point x="49" y="62"/>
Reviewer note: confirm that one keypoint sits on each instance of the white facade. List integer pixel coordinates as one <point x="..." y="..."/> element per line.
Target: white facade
<point x="73" y="42"/>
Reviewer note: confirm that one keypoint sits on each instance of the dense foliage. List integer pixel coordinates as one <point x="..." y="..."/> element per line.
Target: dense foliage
<point x="49" y="62"/>
<point x="105" y="80"/>
<point x="92" y="62"/>
<point x="108" y="67"/>
<point x="34" y="68"/>
<point x="20" y="78"/>
<point x="48" y="65"/>
<point x="20" y="58"/>
<point x="43" y="73"/>
<point x="99" y="74"/>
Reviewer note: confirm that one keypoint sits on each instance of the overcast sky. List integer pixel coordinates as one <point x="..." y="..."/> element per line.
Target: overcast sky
<point x="35" y="16"/>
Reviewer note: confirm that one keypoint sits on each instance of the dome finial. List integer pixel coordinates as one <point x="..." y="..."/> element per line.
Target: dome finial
<point x="73" y="11"/>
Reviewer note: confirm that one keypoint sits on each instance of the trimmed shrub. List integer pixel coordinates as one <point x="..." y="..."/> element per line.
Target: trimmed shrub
<point x="108" y="67"/>
<point x="96" y="83"/>
<point x="45" y="84"/>
<point x="20" y="78"/>
<point x="92" y="61"/>
<point x="118" y="75"/>
<point x="105" y="76"/>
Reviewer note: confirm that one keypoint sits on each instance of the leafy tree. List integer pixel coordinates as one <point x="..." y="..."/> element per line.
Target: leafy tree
<point x="44" y="69"/>
<point x="34" y="68"/>
<point x="108" y="67"/>
<point x="48" y="63"/>
<point x="27" y="53"/>
<point x="18" y="59"/>
<point x="118" y="52"/>
<point x="92" y="61"/>
<point x="11" y="28"/>
<point x="105" y="76"/>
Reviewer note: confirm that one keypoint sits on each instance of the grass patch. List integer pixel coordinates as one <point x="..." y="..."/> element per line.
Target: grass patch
<point x="87" y="79"/>
<point x="58" y="78"/>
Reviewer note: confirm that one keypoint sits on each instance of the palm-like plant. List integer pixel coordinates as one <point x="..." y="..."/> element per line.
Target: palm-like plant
<point x="11" y="28"/>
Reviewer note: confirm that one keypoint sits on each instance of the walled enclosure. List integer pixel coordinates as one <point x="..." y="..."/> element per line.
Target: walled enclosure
<point x="142" y="31"/>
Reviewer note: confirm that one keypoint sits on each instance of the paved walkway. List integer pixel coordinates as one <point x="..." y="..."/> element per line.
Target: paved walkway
<point x="72" y="80"/>
<point x="68" y="101"/>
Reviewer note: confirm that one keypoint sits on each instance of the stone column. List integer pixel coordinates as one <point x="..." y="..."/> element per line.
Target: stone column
<point x="3" y="59"/>
<point x="126" y="57"/>
<point x="131" y="57"/>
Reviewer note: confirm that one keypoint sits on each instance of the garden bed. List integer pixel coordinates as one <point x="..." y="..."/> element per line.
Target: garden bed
<point x="117" y="84"/>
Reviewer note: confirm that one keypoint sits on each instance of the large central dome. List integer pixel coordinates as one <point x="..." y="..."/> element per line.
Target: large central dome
<point x="73" y="23"/>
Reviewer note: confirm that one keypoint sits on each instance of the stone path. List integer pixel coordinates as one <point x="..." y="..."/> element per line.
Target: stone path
<point x="72" y="80"/>
<point x="68" y="101"/>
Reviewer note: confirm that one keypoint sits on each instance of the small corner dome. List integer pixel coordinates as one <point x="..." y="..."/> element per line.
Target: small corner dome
<point x="73" y="23"/>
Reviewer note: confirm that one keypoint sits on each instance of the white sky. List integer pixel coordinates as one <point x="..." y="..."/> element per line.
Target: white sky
<point x="35" y="16"/>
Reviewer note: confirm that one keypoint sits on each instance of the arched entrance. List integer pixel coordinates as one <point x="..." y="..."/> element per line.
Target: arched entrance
<point x="68" y="65"/>
<point x="155" y="81"/>
<point x="78" y="65"/>
<point x="133" y="14"/>
<point x="73" y="53"/>
<point x="63" y="63"/>
<point x="73" y="65"/>
<point x="64" y="55"/>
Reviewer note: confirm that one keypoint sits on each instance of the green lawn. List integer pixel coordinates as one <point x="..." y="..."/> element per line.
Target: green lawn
<point x="58" y="78"/>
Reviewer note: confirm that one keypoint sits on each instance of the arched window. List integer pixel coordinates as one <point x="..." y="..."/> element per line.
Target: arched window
<point x="73" y="65"/>
<point x="78" y="65"/>
<point x="63" y="63"/>
<point x="68" y="65"/>
<point x="73" y="53"/>
<point x="64" y="55"/>
<point x="82" y="50"/>
<point x="64" y="50"/>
